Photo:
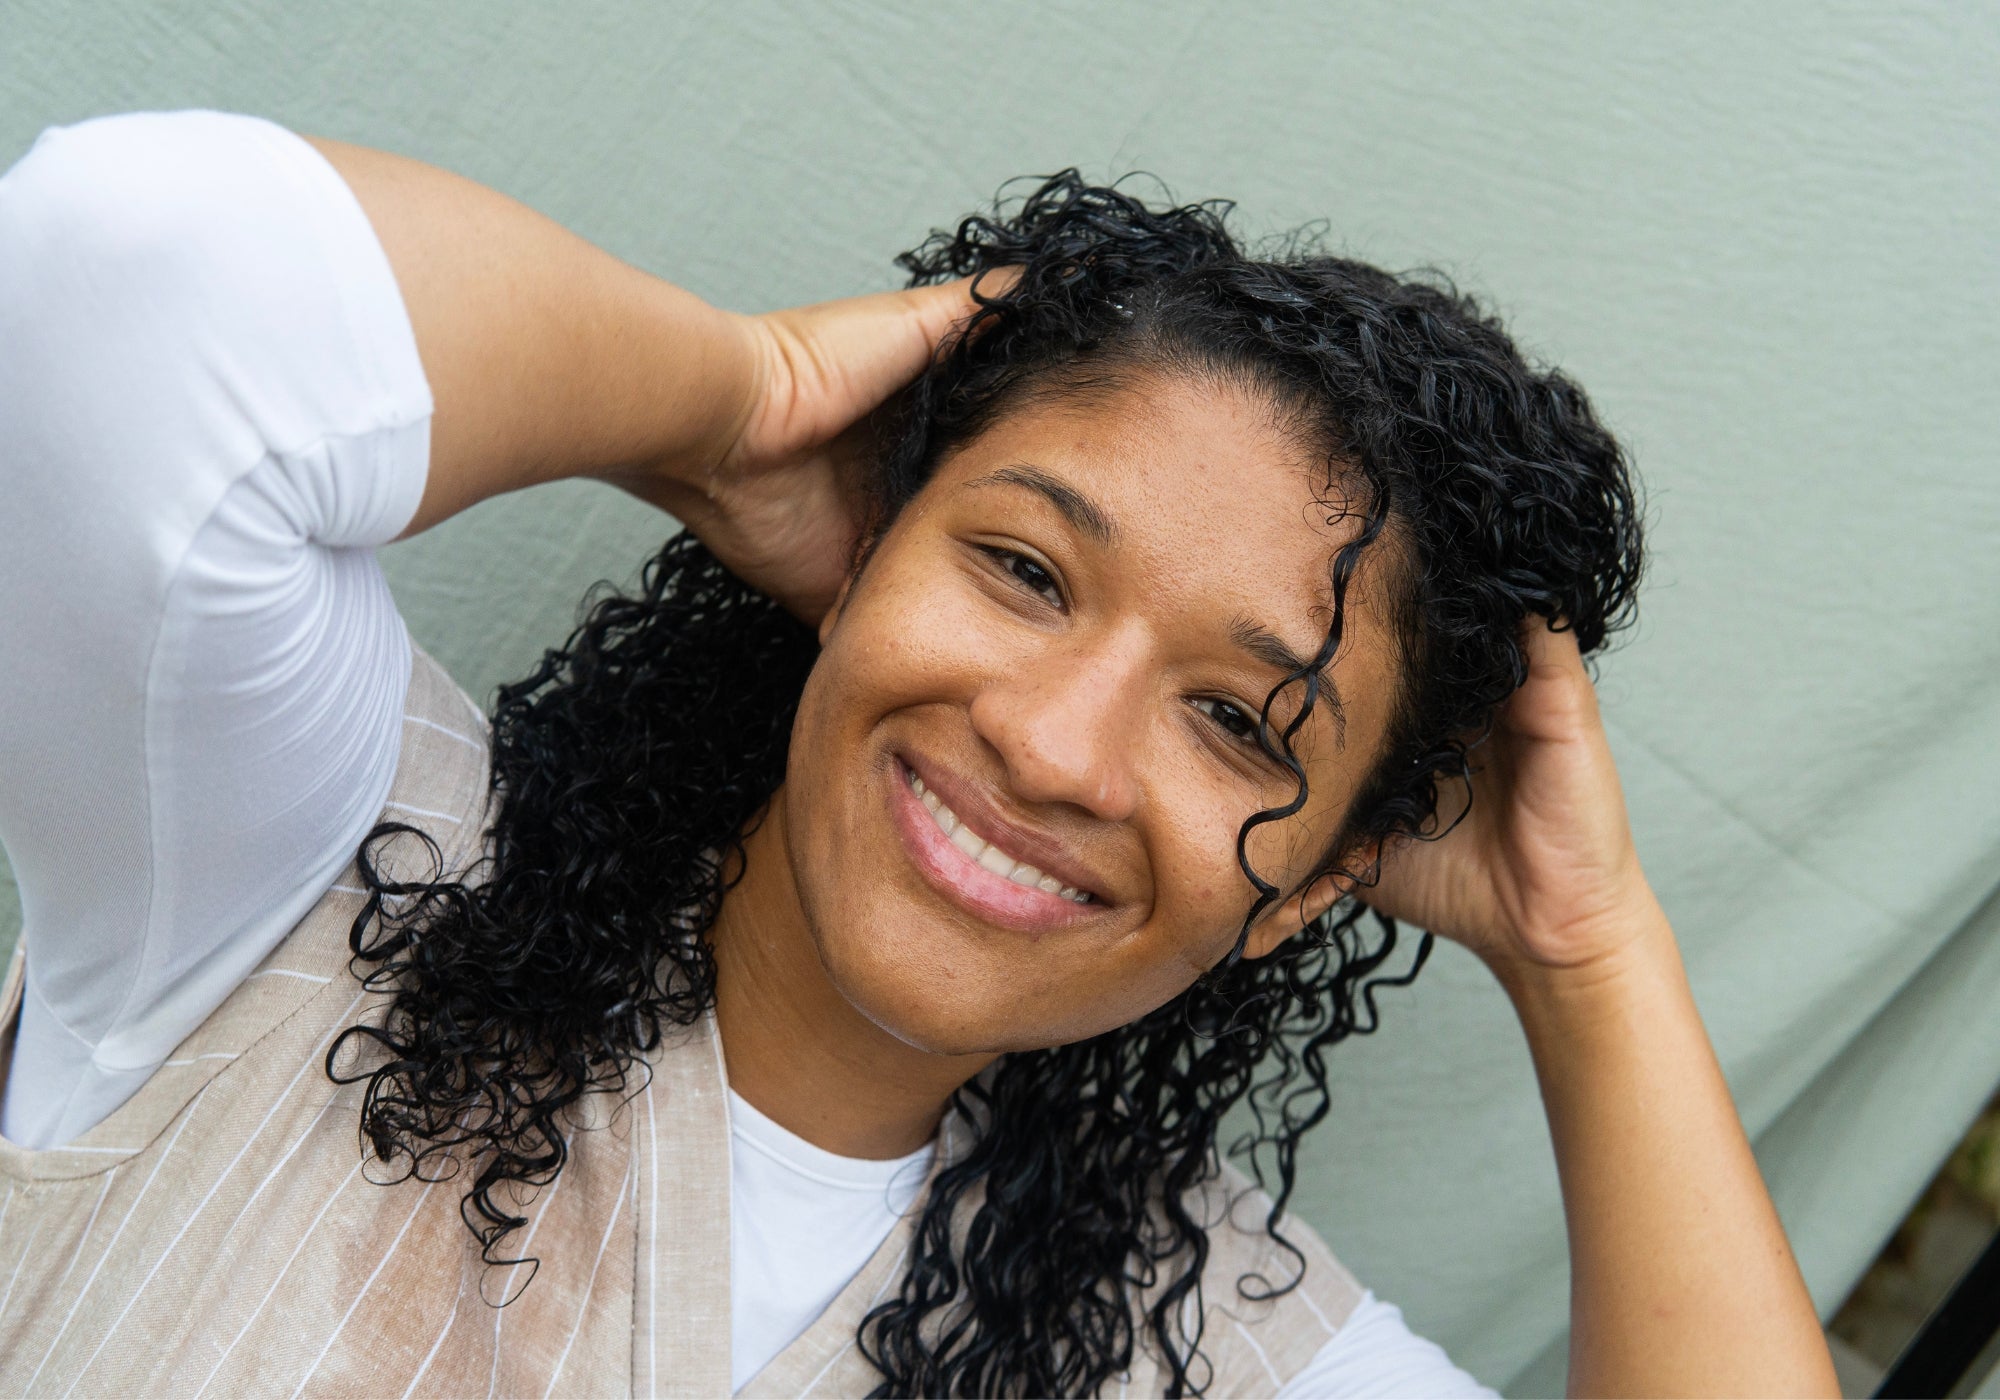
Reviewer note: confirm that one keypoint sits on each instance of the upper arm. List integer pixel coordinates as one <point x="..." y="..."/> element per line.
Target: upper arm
<point x="209" y="399"/>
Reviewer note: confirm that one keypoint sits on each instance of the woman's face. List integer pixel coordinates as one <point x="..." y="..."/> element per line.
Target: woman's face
<point x="1048" y="674"/>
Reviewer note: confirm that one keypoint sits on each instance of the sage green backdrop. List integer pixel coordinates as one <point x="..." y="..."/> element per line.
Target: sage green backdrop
<point x="1763" y="235"/>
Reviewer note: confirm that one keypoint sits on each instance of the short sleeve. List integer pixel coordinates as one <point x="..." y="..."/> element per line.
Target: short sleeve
<point x="211" y="408"/>
<point x="1375" y="1355"/>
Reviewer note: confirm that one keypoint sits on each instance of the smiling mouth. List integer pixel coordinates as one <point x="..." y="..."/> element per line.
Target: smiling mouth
<point x="985" y="853"/>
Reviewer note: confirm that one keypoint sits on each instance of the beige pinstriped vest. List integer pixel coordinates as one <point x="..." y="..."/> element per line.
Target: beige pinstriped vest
<point x="218" y="1235"/>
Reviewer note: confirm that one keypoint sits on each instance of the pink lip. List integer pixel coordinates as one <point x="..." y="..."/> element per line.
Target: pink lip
<point x="967" y="883"/>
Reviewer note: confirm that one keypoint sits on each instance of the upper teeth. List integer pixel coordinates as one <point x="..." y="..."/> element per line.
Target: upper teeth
<point x="988" y="854"/>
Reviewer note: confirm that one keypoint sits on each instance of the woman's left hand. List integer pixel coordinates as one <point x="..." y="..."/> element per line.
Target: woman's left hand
<point x="1682" y="1282"/>
<point x="1542" y="871"/>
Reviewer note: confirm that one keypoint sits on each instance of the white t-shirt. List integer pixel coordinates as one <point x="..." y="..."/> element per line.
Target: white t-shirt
<point x="211" y="409"/>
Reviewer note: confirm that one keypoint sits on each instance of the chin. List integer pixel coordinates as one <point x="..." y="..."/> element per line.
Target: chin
<point x="922" y="996"/>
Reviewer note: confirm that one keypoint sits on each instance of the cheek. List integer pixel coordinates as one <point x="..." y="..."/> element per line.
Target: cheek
<point x="915" y="630"/>
<point x="1201" y="893"/>
<point x="1211" y="894"/>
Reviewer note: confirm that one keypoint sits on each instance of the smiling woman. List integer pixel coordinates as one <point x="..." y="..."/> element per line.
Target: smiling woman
<point x="1083" y="700"/>
<point x="838" y="1013"/>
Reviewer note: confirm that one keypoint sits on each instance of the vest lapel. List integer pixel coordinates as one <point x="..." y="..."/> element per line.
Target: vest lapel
<point x="680" y="1334"/>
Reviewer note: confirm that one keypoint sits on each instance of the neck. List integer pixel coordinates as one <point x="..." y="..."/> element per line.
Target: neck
<point x="796" y="1048"/>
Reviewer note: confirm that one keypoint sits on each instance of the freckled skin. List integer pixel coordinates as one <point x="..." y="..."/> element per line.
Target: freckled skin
<point x="1074" y="719"/>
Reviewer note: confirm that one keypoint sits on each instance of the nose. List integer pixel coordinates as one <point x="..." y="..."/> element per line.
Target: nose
<point x="1067" y="724"/>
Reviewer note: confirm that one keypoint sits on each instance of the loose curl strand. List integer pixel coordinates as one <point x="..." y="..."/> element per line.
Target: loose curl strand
<point x="1482" y="492"/>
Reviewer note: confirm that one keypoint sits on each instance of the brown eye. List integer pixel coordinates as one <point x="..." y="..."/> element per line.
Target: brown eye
<point x="1028" y="573"/>
<point x="1229" y="718"/>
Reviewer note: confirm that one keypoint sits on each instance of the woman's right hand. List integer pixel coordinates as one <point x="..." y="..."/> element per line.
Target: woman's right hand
<point x="548" y="358"/>
<point x="781" y="504"/>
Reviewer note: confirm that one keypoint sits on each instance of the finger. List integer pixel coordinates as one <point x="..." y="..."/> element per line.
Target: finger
<point x="875" y="344"/>
<point x="946" y="307"/>
<point x="941" y="309"/>
<point x="1548" y="650"/>
<point x="1556" y="699"/>
<point x="891" y="335"/>
<point x="993" y="282"/>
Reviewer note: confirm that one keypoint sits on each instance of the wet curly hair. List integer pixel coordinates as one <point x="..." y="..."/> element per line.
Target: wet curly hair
<point x="630" y="765"/>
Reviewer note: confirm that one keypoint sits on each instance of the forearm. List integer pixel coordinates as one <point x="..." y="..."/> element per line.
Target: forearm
<point x="547" y="357"/>
<point x="1681" y="1279"/>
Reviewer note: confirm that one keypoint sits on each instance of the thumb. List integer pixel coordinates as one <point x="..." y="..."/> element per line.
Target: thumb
<point x="938" y="310"/>
<point x="1557" y="700"/>
<point x="865" y="348"/>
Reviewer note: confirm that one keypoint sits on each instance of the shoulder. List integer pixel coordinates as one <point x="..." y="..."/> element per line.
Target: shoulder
<point x="168" y="203"/>
<point x="218" y="276"/>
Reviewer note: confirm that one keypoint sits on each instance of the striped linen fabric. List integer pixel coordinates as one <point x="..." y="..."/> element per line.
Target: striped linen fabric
<point x="220" y="1234"/>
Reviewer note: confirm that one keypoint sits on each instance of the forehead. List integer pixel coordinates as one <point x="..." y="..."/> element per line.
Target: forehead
<point x="1206" y="487"/>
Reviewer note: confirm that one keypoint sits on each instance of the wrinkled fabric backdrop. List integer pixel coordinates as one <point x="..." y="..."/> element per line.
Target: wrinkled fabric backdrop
<point x="1763" y="236"/>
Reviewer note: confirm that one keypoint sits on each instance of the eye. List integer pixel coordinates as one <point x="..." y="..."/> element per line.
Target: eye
<point x="1229" y="718"/>
<point x="1027" y="573"/>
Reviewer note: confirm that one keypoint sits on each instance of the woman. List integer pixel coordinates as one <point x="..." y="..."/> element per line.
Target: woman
<point x="1151" y="622"/>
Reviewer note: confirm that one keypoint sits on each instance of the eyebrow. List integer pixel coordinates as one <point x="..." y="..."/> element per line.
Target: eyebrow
<point x="1078" y="509"/>
<point x="1271" y="649"/>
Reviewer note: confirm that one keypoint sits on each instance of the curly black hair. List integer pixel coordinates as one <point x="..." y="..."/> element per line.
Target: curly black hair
<point x="629" y="767"/>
